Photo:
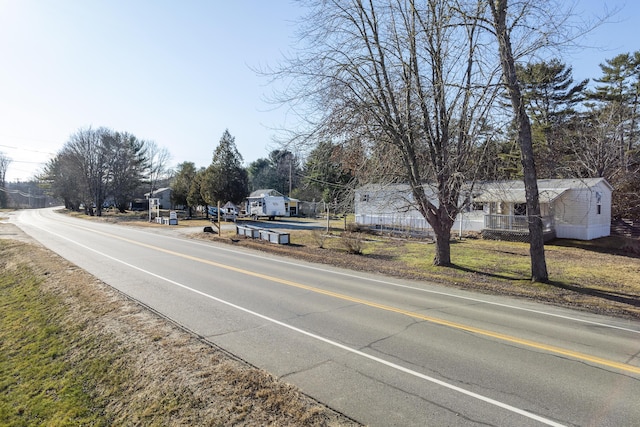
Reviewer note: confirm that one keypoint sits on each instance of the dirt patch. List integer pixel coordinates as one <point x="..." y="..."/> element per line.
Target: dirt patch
<point x="173" y="377"/>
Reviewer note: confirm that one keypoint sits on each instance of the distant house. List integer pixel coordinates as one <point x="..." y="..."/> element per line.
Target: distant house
<point x="270" y="203"/>
<point x="230" y="211"/>
<point x="570" y="208"/>
<point x="163" y="195"/>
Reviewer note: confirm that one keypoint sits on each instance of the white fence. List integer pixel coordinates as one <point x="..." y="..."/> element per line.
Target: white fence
<point x="400" y="223"/>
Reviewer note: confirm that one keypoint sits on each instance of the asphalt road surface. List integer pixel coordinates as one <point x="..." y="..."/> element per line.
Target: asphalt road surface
<point x="386" y="352"/>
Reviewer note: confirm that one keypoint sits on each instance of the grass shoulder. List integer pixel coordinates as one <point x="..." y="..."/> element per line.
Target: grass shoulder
<point x="76" y="352"/>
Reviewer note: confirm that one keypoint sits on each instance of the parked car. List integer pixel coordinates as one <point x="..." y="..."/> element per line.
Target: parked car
<point x="225" y="214"/>
<point x="213" y="212"/>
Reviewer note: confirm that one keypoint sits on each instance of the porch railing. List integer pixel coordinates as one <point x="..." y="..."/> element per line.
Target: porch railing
<point x="514" y="222"/>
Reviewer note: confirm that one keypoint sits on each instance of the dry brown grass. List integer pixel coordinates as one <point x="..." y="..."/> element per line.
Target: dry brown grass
<point x="158" y="374"/>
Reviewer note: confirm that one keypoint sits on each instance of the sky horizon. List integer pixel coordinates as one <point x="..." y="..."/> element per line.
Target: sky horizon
<point x="177" y="74"/>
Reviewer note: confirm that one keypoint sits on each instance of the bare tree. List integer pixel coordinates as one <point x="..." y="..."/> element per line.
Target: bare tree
<point x="402" y="85"/>
<point x="594" y="154"/>
<point x="157" y="162"/>
<point x="525" y="139"/>
<point x="126" y="167"/>
<point x="87" y="151"/>
<point x="4" y="166"/>
<point x="523" y="30"/>
<point x="96" y="165"/>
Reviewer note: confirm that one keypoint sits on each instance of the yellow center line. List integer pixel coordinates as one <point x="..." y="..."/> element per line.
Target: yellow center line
<point x="459" y="326"/>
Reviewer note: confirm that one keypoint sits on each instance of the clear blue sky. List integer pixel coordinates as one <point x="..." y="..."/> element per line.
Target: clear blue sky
<point x="175" y="72"/>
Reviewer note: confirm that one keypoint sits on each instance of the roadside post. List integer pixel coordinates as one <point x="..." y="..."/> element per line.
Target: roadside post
<point x="154" y="207"/>
<point x="216" y="222"/>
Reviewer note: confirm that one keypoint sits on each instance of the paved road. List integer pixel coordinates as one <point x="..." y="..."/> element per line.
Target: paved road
<point x="384" y="351"/>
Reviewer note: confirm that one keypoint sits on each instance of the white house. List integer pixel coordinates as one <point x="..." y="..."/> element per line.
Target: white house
<point x="270" y="203"/>
<point x="570" y="208"/>
<point x="163" y="195"/>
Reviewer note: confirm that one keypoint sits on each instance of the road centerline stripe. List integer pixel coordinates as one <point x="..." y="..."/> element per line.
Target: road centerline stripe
<point x="435" y="320"/>
<point x="328" y="341"/>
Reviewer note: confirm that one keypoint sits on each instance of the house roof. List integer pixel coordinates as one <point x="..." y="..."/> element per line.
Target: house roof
<point x="265" y="192"/>
<point x="548" y="189"/>
<point x="269" y="192"/>
<point x="508" y="191"/>
<point x="158" y="190"/>
<point x="518" y="195"/>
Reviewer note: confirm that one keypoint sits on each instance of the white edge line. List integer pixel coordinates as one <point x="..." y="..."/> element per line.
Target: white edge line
<point x="392" y="365"/>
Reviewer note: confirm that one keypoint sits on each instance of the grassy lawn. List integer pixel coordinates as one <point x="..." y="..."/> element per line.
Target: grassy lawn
<point x="45" y="372"/>
<point x="75" y="352"/>
<point x="599" y="262"/>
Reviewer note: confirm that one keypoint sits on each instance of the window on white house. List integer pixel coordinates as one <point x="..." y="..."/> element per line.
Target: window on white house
<point x="598" y="203"/>
<point x="520" y="209"/>
<point x="364" y="198"/>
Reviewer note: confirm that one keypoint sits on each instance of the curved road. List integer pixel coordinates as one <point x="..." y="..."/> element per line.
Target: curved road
<point x="384" y="351"/>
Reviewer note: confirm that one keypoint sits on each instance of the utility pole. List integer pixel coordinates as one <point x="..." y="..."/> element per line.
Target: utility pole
<point x="290" y="167"/>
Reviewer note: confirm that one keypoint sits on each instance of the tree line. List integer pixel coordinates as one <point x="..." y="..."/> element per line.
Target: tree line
<point x="100" y="167"/>
<point x="577" y="131"/>
<point x="581" y="130"/>
<point x="318" y="177"/>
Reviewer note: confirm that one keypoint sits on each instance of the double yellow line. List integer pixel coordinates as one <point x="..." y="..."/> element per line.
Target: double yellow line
<point x="459" y="326"/>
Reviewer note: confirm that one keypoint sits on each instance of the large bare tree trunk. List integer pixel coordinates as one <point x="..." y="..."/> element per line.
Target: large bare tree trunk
<point x="442" y="231"/>
<point x="536" y="234"/>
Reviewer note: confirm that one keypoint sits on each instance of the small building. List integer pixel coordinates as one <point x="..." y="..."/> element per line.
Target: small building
<point x="271" y="203"/>
<point x="230" y="212"/>
<point x="293" y="205"/>
<point x="570" y="208"/>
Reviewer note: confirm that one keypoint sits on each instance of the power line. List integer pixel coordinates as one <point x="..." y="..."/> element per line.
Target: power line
<point x="26" y="161"/>
<point x="27" y="149"/>
<point x="33" y="196"/>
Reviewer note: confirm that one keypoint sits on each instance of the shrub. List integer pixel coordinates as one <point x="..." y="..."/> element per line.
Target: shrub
<point x="319" y="237"/>
<point x="353" y="227"/>
<point x="352" y="242"/>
